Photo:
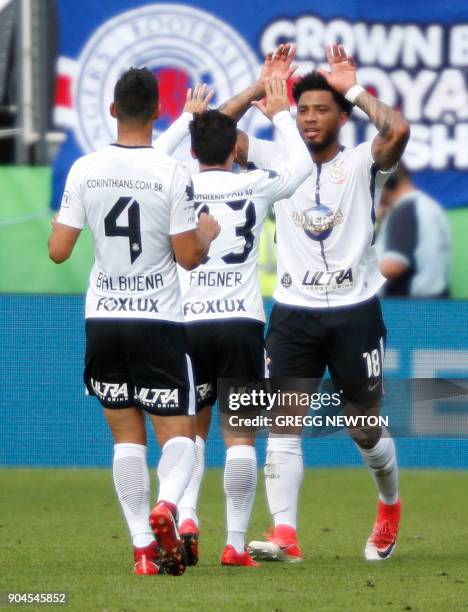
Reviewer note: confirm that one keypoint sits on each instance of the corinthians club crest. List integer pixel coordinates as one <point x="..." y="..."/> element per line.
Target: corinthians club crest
<point x="318" y="222"/>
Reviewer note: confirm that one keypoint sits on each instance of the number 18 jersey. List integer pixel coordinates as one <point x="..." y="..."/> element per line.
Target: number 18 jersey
<point x="133" y="199"/>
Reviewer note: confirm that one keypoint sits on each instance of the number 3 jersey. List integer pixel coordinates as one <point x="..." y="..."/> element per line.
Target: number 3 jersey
<point x="227" y="284"/>
<point x="133" y="199"/>
<point x="325" y="231"/>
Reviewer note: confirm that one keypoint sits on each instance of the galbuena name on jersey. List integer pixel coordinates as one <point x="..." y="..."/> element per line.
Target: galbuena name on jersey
<point x="125" y="284"/>
<point x="206" y="278"/>
<point x="322" y="280"/>
<point x="118" y="183"/>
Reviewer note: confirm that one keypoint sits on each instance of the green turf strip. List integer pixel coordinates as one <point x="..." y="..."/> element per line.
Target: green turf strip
<point x="24" y="230"/>
<point x="63" y="530"/>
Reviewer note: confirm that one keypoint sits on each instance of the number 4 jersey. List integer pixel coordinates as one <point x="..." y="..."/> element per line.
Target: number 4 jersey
<point x="133" y="199"/>
<point x="227" y="284"/>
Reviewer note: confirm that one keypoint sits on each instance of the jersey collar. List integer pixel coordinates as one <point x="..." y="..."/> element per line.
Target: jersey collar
<point x="121" y="146"/>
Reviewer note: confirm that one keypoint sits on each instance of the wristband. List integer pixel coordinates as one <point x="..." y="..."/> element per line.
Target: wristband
<point x="353" y="93"/>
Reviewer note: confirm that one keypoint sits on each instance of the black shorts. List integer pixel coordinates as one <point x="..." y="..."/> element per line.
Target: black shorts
<point x="350" y="341"/>
<point x="139" y="363"/>
<point x="225" y="348"/>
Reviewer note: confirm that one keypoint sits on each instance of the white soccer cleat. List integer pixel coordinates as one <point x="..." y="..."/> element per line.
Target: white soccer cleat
<point x="280" y="545"/>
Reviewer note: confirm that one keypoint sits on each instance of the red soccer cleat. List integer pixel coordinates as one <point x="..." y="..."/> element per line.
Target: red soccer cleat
<point x="231" y="557"/>
<point x="382" y="541"/>
<point x="171" y="549"/>
<point x="189" y="534"/>
<point x="281" y="545"/>
<point x="146" y="560"/>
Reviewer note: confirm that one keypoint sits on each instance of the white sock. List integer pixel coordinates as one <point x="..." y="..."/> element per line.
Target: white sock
<point x="382" y="462"/>
<point x="132" y="484"/>
<point x="284" y="470"/>
<point x="240" y="482"/>
<point x="175" y="468"/>
<point x="188" y="504"/>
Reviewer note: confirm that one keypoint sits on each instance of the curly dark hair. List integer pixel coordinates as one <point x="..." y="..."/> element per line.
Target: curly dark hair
<point x="314" y="81"/>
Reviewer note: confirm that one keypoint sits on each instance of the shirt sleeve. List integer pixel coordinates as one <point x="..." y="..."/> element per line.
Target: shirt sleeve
<point x="264" y="153"/>
<point x="169" y="140"/>
<point x="401" y="235"/>
<point x="72" y="211"/>
<point x="182" y="210"/>
<point x="281" y="181"/>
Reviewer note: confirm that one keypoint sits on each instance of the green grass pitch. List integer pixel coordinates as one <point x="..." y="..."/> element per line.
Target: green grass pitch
<point x="61" y="530"/>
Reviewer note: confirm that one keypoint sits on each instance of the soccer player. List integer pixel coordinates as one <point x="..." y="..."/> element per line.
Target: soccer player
<point x="222" y="301"/>
<point x="138" y="205"/>
<point x="326" y="312"/>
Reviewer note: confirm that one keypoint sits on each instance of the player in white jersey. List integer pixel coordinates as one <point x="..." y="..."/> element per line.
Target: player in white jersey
<point x="222" y="303"/>
<point x="326" y="312"/>
<point x="138" y="205"/>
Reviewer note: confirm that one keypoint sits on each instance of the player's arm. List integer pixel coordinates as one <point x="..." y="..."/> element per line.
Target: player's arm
<point x="68" y="223"/>
<point x="190" y="241"/>
<point x="392" y="268"/>
<point x="62" y="241"/>
<point x="283" y="180"/>
<point x="191" y="248"/>
<point x="394" y="131"/>
<point x="278" y="63"/>
<point x="400" y="242"/>
<point x="196" y="102"/>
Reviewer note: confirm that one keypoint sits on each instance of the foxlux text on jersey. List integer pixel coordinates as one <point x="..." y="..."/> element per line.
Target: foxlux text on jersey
<point x="214" y="306"/>
<point x="123" y="284"/>
<point x="111" y="304"/>
<point x="123" y="184"/>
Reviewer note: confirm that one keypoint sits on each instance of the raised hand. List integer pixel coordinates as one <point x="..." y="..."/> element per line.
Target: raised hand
<point x="342" y="75"/>
<point x="276" y="97"/>
<point x="279" y="63"/>
<point x="198" y="99"/>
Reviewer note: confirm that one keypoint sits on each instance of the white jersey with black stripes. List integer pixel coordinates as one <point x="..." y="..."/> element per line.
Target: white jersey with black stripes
<point x="227" y="284"/>
<point x="325" y="230"/>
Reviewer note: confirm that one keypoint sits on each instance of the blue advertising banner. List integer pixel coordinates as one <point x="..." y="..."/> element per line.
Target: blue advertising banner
<point x="414" y="56"/>
<point x="47" y="420"/>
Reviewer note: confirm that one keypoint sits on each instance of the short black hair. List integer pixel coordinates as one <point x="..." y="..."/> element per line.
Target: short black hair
<point x="213" y="136"/>
<point x="401" y="175"/>
<point x="136" y="95"/>
<point x="314" y="81"/>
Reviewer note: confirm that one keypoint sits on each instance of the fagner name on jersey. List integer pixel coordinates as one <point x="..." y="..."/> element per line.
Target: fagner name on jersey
<point x="205" y="278"/>
<point x="320" y="280"/>
<point x="125" y="284"/>
<point x="118" y="183"/>
<point x="214" y="306"/>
